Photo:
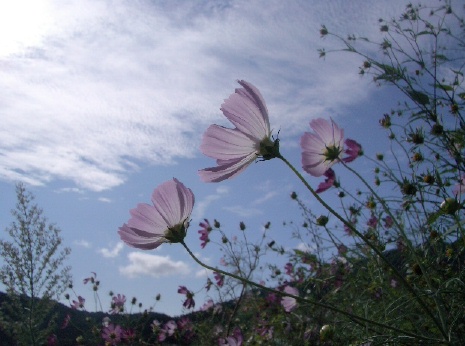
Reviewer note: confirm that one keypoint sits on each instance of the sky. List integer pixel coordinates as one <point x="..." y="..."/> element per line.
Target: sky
<point x="102" y="101"/>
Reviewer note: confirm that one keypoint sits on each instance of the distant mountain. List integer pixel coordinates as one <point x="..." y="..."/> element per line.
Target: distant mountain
<point x="81" y="322"/>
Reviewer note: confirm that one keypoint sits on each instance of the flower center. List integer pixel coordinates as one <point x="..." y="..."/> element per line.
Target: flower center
<point x="332" y="153"/>
<point x="177" y="233"/>
<point x="269" y="149"/>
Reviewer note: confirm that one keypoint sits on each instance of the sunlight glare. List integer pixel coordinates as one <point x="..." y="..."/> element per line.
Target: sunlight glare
<point x="23" y="24"/>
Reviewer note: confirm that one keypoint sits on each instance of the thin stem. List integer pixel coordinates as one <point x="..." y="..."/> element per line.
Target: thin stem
<point x="355" y="318"/>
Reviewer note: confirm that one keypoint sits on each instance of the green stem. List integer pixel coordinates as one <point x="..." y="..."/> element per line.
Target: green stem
<point x="355" y="318"/>
<point x="366" y="241"/>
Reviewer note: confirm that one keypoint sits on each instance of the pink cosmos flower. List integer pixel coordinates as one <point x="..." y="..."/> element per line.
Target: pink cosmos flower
<point x="112" y="334"/>
<point x="323" y="148"/>
<point x="329" y="181"/>
<point x="166" y="221"/>
<point x="66" y="321"/>
<point x="204" y="232"/>
<point x="234" y="149"/>
<point x="189" y="302"/>
<point x="289" y="303"/>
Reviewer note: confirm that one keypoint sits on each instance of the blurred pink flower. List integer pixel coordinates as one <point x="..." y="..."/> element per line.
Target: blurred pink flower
<point x="204" y="232"/>
<point x="235" y="340"/>
<point x="329" y="181"/>
<point x="388" y="222"/>
<point x="289" y="303"/>
<point x="219" y="279"/>
<point x="353" y="149"/>
<point x="79" y="304"/>
<point x="271" y="298"/>
<point x="117" y="303"/>
<point x="52" y="340"/>
<point x="189" y="302"/>
<point x="112" y="334"/>
<point x="234" y="149"/>
<point x="166" y="221"/>
<point x="322" y="149"/>
<point x="168" y="330"/>
<point x="372" y="221"/>
<point x="66" y="321"/>
<point x="207" y="305"/>
<point x="90" y="278"/>
<point x="289" y="268"/>
<point x="129" y="335"/>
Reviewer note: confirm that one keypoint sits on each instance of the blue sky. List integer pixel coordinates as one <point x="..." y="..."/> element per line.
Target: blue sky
<point x="104" y="100"/>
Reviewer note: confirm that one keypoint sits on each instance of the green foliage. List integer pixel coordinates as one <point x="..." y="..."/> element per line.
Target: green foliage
<point x="33" y="272"/>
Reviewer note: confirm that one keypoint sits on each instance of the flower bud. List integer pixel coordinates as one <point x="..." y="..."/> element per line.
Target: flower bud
<point x="386" y="121"/>
<point x="326" y="333"/>
<point x="450" y="206"/>
<point x="408" y="188"/>
<point x="437" y="129"/>
<point x="322" y="220"/>
<point x="428" y="179"/>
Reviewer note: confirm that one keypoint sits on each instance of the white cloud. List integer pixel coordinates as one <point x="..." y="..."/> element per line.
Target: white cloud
<point x="202" y="273"/>
<point x="105" y="200"/>
<point x="111" y="253"/>
<point x="201" y="206"/>
<point x="243" y="211"/>
<point x="305" y="247"/>
<point x="107" y="87"/>
<point x="82" y="243"/>
<point x="69" y="189"/>
<point x="142" y="264"/>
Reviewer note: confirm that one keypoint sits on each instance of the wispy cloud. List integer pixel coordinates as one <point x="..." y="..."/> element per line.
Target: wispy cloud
<point x="105" y="87"/>
<point x="265" y="198"/>
<point x="111" y="253"/>
<point x="243" y="211"/>
<point x="142" y="264"/>
<point x="202" y="206"/>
